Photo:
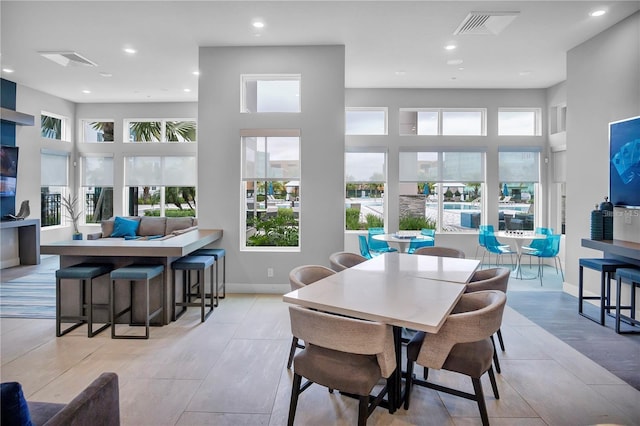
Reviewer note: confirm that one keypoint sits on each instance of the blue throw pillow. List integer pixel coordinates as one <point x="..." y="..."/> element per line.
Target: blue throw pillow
<point x="123" y="227"/>
<point x="14" y="408"/>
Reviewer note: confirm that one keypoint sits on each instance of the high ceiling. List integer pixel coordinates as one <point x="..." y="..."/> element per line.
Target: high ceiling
<point x="390" y="44"/>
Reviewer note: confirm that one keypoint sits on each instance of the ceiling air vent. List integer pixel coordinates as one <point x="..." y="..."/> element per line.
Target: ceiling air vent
<point x="485" y="23"/>
<point x="68" y="59"/>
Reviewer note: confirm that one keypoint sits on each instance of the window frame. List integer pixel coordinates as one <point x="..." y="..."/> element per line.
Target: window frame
<point x="86" y="121"/>
<point x="385" y="182"/>
<point x="126" y="131"/>
<point x="441" y="182"/>
<point x="65" y="128"/>
<point x="244" y="78"/>
<point x="385" y="110"/>
<point x="244" y="179"/>
<point x="537" y="120"/>
<point x="440" y="117"/>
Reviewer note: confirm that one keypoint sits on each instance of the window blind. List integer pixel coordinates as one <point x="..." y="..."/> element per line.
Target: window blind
<point x="54" y="168"/>
<point x="97" y="171"/>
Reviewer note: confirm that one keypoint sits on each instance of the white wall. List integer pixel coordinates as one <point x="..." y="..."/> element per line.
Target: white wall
<point x="395" y="99"/>
<point x="322" y="154"/>
<point x="603" y="85"/>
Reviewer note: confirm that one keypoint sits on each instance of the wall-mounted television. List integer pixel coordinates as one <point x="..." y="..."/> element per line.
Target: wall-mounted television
<point x="8" y="170"/>
<point x="624" y="170"/>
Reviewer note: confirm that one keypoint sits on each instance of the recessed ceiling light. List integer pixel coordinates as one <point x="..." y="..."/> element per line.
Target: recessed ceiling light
<point x="105" y="74"/>
<point x="196" y="73"/>
<point x="598" y="12"/>
<point x="454" y="61"/>
<point x="86" y="92"/>
<point x="130" y="50"/>
<point x="187" y="90"/>
<point x="450" y="46"/>
<point x="7" y="70"/>
<point x="257" y="24"/>
<point x="523" y="73"/>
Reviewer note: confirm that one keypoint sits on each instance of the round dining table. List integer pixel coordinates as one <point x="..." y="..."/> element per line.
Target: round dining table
<point x="402" y="240"/>
<point x="519" y="238"/>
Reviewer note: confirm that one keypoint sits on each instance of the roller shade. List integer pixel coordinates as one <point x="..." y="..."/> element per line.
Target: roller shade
<point x="54" y="168"/>
<point x="365" y="167"/>
<point x="519" y="166"/>
<point x="456" y="166"/>
<point x="160" y="171"/>
<point x="97" y="171"/>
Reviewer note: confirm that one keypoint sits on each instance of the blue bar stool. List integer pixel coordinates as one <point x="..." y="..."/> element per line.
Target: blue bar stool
<point x="82" y="273"/>
<point x="607" y="269"/>
<point x="217" y="253"/>
<point x="199" y="264"/>
<point x="133" y="273"/>
<point x="632" y="275"/>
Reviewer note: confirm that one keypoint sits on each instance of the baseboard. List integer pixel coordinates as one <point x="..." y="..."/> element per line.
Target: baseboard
<point x="9" y="263"/>
<point x="570" y="289"/>
<point x="258" y="288"/>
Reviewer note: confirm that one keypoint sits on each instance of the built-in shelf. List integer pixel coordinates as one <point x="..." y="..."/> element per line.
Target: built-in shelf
<point x="16" y="117"/>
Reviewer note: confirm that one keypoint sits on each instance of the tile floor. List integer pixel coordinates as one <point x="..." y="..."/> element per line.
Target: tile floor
<point x="231" y="370"/>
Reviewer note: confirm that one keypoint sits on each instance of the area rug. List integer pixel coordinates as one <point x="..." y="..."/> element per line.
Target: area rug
<point x="31" y="296"/>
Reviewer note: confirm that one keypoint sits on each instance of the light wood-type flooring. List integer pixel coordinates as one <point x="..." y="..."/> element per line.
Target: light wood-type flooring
<point x="231" y="370"/>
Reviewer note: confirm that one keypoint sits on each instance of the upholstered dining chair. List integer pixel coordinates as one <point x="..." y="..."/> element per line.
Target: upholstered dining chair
<point x="440" y="251"/>
<point x="491" y="279"/>
<point x="343" y="260"/>
<point x="298" y="278"/>
<point x="462" y="345"/>
<point x="347" y="354"/>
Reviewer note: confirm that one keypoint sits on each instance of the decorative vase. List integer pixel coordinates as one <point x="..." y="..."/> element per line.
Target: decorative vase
<point x="607" y="219"/>
<point x="596" y="225"/>
<point x="77" y="236"/>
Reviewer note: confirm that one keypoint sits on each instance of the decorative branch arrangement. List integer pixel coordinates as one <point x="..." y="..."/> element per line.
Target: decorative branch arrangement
<point x="71" y="206"/>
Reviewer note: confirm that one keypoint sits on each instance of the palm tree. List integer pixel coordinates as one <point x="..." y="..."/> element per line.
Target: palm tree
<point x="50" y="127"/>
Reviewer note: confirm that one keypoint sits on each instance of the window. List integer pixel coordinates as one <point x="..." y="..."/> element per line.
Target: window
<point x="53" y="126"/>
<point x="365" y="180"/>
<point x="366" y="121"/>
<point x="519" y="122"/>
<point x="161" y="185"/>
<point x="97" y="131"/>
<point x="97" y="188"/>
<point x="441" y="190"/>
<point x="519" y="174"/>
<point x="271" y="189"/>
<point x="54" y="166"/>
<point x="270" y="93"/>
<point x="160" y="130"/>
<point x="446" y="122"/>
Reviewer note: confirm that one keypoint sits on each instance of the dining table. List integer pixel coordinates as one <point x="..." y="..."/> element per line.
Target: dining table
<point x="519" y="238"/>
<point x="402" y="290"/>
<point x="402" y="240"/>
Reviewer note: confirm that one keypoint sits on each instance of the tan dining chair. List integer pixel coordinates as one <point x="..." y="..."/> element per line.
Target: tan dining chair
<point x="491" y="279"/>
<point x="462" y="345"/>
<point x="298" y="278"/>
<point x="343" y="260"/>
<point x="440" y="251"/>
<point x="347" y="354"/>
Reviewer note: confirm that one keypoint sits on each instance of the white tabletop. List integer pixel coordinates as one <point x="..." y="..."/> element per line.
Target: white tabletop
<point x="402" y="240"/>
<point x="385" y="289"/>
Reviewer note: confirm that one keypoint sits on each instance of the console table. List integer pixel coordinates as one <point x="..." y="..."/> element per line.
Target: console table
<point x="616" y="249"/>
<point x="28" y="239"/>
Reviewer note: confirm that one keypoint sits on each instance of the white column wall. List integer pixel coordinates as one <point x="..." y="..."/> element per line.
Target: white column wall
<point x="321" y="123"/>
<point x="603" y="85"/>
